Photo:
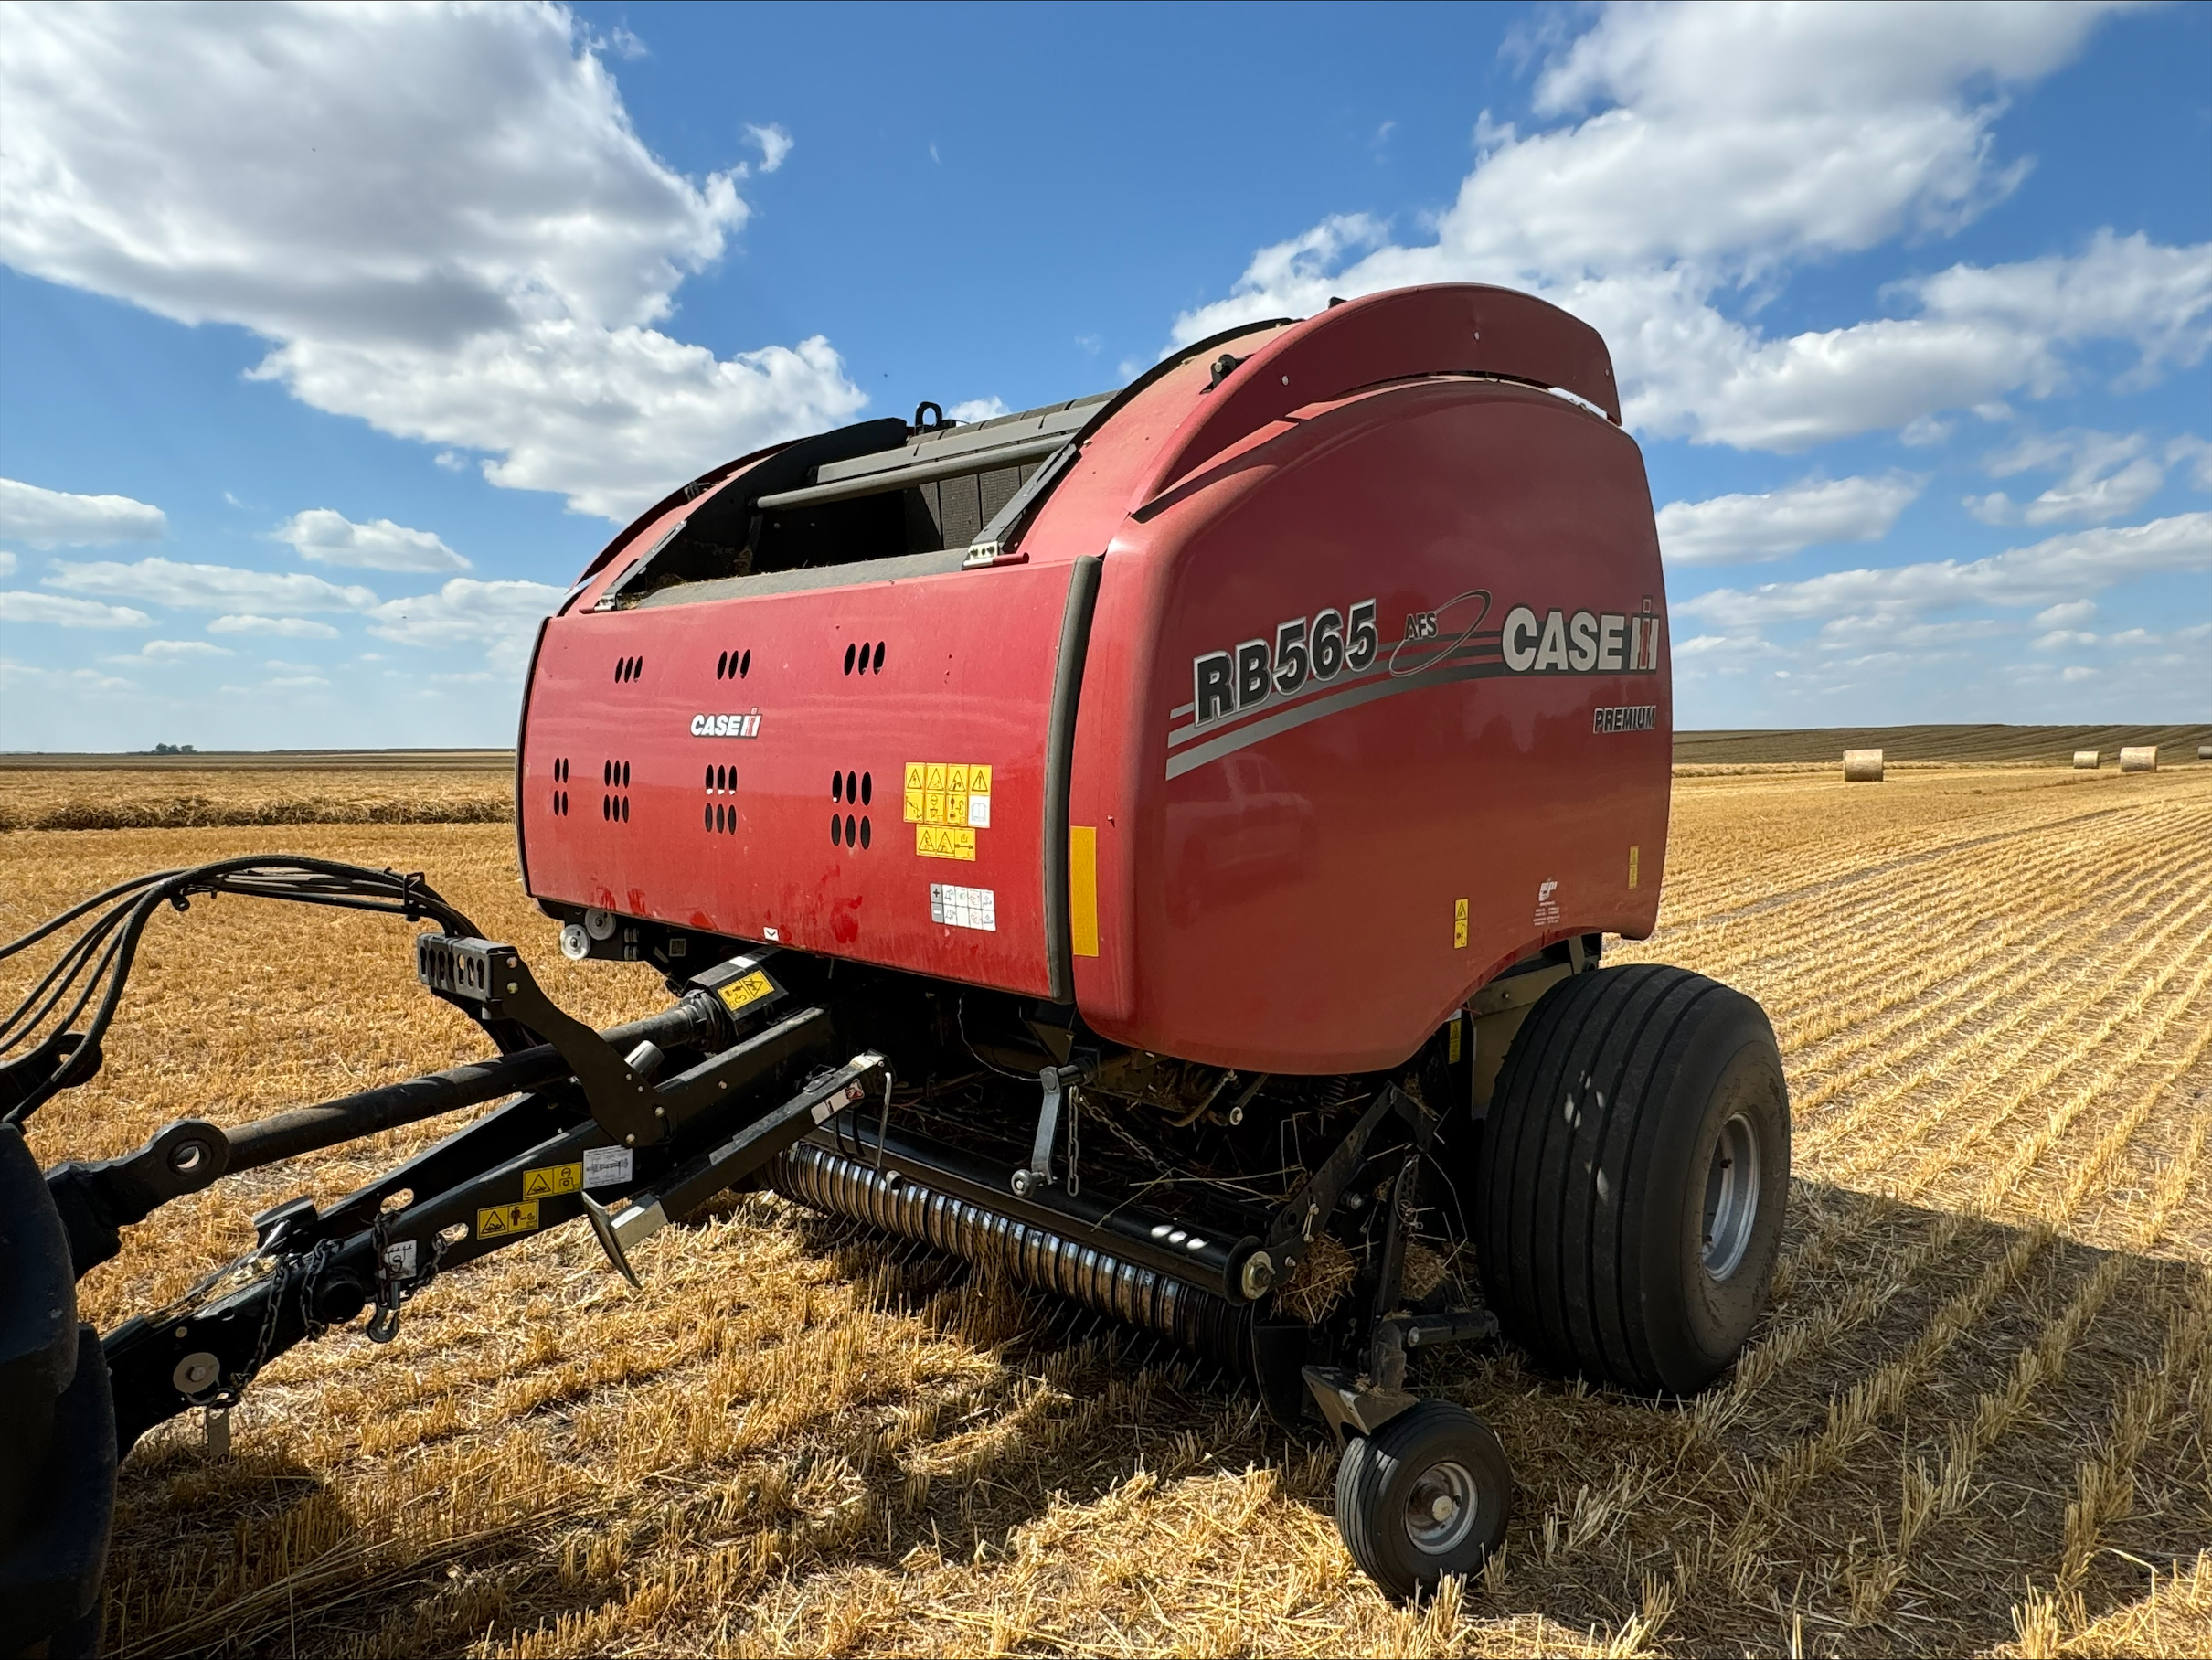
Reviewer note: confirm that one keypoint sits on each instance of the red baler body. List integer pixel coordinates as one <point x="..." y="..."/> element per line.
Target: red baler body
<point x="1294" y="874"/>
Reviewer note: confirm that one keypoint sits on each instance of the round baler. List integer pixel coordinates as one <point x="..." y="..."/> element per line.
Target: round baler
<point x="1157" y="846"/>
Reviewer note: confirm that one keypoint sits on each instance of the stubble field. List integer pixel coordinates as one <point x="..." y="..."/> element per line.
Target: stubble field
<point x="1978" y="1418"/>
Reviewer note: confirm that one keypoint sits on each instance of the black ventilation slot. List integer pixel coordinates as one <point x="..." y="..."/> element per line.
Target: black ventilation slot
<point x="719" y="813"/>
<point x="561" y="786"/>
<point x="864" y="658"/>
<point x="614" y="782"/>
<point x="628" y="669"/>
<point x="733" y="664"/>
<point x="848" y="829"/>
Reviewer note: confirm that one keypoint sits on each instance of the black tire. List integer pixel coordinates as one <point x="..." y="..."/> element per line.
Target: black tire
<point x="1616" y="1236"/>
<point x="1391" y="1484"/>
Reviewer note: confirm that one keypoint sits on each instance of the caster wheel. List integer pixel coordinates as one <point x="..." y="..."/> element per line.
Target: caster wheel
<point x="1426" y="1495"/>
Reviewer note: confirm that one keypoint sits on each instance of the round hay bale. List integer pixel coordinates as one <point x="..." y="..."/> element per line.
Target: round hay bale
<point x="1861" y="766"/>
<point x="2140" y="758"/>
<point x="2088" y="758"/>
<point x="2204" y="751"/>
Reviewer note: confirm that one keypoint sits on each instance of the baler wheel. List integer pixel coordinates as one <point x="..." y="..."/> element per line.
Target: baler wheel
<point x="1633" y="1173"/>
<point x="1427" y="1495"/>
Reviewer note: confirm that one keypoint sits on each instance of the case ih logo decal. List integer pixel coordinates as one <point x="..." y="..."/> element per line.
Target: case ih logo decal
<point x="1589" y="642"/>
<point x="726" y="726"/>
<point x="1317" y="666"/>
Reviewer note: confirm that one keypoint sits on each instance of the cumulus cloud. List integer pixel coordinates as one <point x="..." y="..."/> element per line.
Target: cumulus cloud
<point x="1705" y="149"/>
<point x="439" y="216"/>
<point x="7" y="563"/>
<point x="54" y="611"/>
<point x="209" y="587"/>
<point x="55" y="518"/>
<point x="499" y="618"/>
<point x="2062" y="569"/>
<point x="775" y="144"/>
<point x="329" y="537"/>
<point x="978" y="409"/>
<point x="1745" y="529"/>
<point x="287" y="628"/>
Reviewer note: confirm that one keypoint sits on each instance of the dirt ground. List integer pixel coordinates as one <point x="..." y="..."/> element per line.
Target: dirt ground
<point x="1978" y="1418"/>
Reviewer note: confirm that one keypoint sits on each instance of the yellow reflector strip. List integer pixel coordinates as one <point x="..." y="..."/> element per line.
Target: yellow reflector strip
<point x="1083" y="889"/>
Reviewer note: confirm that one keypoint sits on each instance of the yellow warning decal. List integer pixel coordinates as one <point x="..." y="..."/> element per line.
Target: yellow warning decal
<point x="943" y="842"/>
<point x="496" y="1219"/>
<point x="1459" y="934"/>
<point x="750" y="989"/>
<point x="1632" y="852"/>
<point x="950" y="792"/>
<point x="1083" y="889"/>
<point x="550" y="1180"/>
<point x="1452" y="1043"/>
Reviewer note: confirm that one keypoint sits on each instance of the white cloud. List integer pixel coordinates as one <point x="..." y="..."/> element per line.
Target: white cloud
<point x="329" y="537"/>
<point x="2107" y="476"/>
<point x="500" y="617"/>
<point x="178" y="651"/>
<point x="775" y="144"/>
<point x="1744" y="529"/>
<point x="2066" y="613"/>
<point x="289" y="628"/>
<point x="7" y="563"/>
<point x="54" y="611"/>
<point x="978" y="409"/>
<point x="210" y="587"/>
<point x="1729" y="141"/>
<point x="74" y="682"/>
<point x="2063" y="567"/>
<point x="2197" y="455"/>
<point x="55" y="518"/>
<point x="439" y="216"/>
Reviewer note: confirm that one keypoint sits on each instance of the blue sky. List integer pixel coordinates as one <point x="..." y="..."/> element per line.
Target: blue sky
<point x="334" y="341"/>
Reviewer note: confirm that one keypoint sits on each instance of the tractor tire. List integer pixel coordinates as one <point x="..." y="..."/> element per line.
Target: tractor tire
<point x="1633" y="1178"/>
<point x="1427" y="1495"/>
<point x="58" y="1450"/>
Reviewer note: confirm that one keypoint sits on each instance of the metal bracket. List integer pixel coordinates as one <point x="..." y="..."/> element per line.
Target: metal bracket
<point x="992" y="543"/>
<point x="1310" y="1207"/>
<point x="1059" y="1086"/>
<point x="495" y="979"/>
<point x="1351" y="1406"/>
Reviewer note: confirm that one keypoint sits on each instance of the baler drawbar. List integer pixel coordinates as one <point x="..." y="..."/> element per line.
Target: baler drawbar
<point x="1230" y="784"/>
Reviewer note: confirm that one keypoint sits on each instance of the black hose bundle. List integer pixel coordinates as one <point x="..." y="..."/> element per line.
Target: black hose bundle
<point x="51" y="1054"/>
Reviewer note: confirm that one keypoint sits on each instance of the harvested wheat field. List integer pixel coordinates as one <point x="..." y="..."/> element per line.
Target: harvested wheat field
<point x="1978" y="1417"/>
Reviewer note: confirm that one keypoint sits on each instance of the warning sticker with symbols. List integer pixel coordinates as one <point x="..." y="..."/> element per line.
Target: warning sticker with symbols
<point x="958" y="907"/>
<point x="943" y="842"/>
<point x="948" y="793"/>
<point x="750" y="989"/>
<point x="550" y="1180"/>
<point x="496" y="1219"/>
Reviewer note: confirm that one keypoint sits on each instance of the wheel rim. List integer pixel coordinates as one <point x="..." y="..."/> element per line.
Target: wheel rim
<point x="1440" y="1508"/>
<point x="1731" y="1196"/>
